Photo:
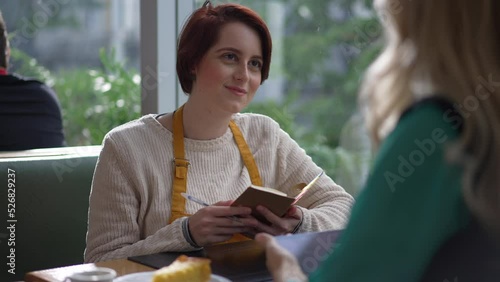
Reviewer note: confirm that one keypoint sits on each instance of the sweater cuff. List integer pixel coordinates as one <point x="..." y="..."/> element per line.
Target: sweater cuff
<point x="187" y="234"/>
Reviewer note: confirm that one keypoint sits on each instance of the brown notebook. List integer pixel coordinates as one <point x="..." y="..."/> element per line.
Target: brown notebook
<point x="276" y="201"/>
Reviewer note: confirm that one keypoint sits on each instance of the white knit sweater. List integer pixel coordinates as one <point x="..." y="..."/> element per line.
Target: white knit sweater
<point x="131" y="191"/>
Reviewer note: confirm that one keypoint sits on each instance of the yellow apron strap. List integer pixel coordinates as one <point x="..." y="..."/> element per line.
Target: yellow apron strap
<point x="246" y="154"/>
<point x="251" y="166"/>
<point x="182" y="164"/>
<point x="181" y="168"/>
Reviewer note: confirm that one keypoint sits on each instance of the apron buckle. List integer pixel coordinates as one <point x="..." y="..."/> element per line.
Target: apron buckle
<point x="181" y="166"/>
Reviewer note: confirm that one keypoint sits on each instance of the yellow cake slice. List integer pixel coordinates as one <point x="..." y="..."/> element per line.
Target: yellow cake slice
<point x="184" y="269"/>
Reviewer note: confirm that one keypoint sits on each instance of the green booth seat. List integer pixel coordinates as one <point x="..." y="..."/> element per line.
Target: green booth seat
<point x="45" y="216"/>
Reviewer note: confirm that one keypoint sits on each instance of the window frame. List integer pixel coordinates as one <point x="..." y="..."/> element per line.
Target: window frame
<point x="161" y="23"/>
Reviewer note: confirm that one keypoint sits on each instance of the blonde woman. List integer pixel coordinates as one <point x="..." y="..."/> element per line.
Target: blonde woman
<point x="433" y="107"/>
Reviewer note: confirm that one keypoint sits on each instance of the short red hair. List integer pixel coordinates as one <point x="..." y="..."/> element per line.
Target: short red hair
<point x="201" y="32"/>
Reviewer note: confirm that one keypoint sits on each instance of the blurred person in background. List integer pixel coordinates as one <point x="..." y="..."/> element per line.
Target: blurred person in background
<point x="30" y="114"/>
<point x="431" y="207"/>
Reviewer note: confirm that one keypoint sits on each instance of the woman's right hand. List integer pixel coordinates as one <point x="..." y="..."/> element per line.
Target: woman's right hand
<point x="282" y="265"/>
<point x="219" y="222"/>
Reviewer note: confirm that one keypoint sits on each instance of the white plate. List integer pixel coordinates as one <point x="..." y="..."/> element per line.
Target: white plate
<point x="148" y="276"/>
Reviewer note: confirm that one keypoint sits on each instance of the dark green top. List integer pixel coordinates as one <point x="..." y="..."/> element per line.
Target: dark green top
<point x="411" y="204"/>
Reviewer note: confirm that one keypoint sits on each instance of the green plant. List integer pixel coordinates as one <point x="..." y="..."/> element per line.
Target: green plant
<point x="347" y="166"/>
<point x="28" y="66"/>
<point x="96" y="101"/>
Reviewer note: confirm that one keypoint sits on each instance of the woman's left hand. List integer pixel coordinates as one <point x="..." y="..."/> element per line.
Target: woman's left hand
<point x="279" y="225"/>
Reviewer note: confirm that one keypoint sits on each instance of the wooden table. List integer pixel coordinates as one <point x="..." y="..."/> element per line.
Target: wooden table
<point x="121" y="266"/>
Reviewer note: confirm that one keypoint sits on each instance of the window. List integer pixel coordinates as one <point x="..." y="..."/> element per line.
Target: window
<point x="88" y="52"/>
<point x="320" y="50"/>
<point x="96" y="54"/>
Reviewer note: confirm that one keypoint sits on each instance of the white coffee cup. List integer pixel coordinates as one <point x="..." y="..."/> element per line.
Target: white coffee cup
<point x="99" y="274"/>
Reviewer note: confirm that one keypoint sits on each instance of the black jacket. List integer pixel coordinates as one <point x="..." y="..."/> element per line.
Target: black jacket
<point x="30" y="115"/>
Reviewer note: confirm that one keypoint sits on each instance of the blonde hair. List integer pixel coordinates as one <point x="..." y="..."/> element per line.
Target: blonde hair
<point x="450" y="47"/>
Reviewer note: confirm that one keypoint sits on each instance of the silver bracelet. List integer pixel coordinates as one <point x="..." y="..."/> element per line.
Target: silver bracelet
<point x="187" y="234"/>
<point x="300" y="222"/>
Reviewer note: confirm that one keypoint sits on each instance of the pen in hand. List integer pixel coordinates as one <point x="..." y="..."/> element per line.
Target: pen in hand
<point x="193" y="199"/>
<point x="198" y="201"/>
